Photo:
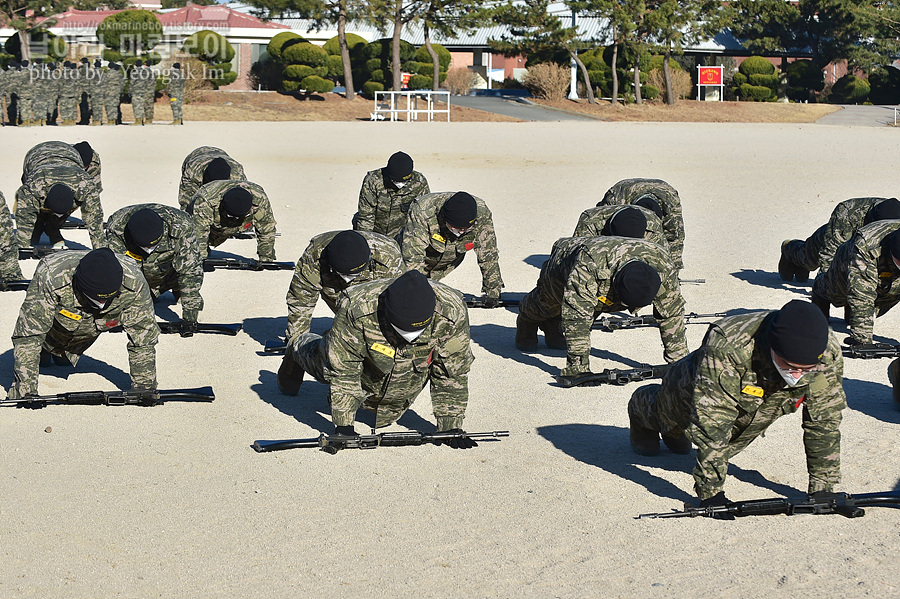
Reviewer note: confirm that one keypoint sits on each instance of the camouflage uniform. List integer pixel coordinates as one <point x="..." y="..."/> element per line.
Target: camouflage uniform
<point x="819" y="249"/>
<point x="192" y="171"/>
<point x="53" y="319"/>
<point x="175" y="90"/>
<point x="69" y="95"/>
<point x="593" y="223"/>
<point x="93" y="170"/>
<point x="44" y="91"/>
<point x="143" y="91"/>
<point x="94" y="89"/>
<point x="47" y="164"/>
<point x="369" y="365"/>
<point x="9" y="249"/>
<point x="213" y="231"/>
<point x="427" y="245"/>
<point x="25" y="91"/>
<point x="862" y="277"/>
<point x="382" y="206"/>
<point x="313" y="277"/>
<point x="629" y="191"/>
<point x="576" y="285"/>
<point x="111" y="86"/>
<point x="728" y="392"/>
<point x="4" y="95"/>
<point x="174" y="262"/>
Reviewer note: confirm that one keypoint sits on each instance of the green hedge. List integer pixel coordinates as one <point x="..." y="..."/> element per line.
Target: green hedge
<point x="354" y="42"/>
<point x="370" y="87"/>
<point x="649" y="92"/>
<point x="305" y="53"/>
<point x="124" y="30"/>
<point x="443" y="53"/>
<point x="277" y="43"/>
<point x="770" y="81"/>
<point x="849" y="89"/>
<point x="420" y="82"/>
<point x="316" y="85"/>
<point x="209" y="46"/>
<point x="756" y="93"/>
<point x="756" y="65"/>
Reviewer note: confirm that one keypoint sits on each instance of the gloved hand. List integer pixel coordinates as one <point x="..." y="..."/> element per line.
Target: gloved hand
<point x="148" y="397"/>
<point x="717" y="500"/>
<point x="491" y="302"/>
<point x="462" y="442"/>
<point x="347" y="431"/>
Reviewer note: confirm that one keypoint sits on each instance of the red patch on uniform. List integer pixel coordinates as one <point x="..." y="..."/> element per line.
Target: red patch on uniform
<point x="430" y="354"/>
<point x="112" y="323"/>
<point x="799" y="401"/>
<point x="248" y="225"/>
<point x="469" y="246"/>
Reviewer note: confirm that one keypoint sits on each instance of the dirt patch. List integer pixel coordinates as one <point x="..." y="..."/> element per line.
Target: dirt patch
<point x="700" y="112"/>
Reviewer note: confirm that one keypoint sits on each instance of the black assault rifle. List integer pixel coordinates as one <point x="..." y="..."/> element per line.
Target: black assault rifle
<point x="692" y="281"/>
<point x="187" y="329"/>
<point x="249" y="234"/>
<point x="478" y="302"/>
<point x="614" y="376"/>
<point x="868" y="351"/>
<point x="275" y="346"/>
<point x="114" y="398"/>
<point x="211" y="264"/>
<point x="37" y="251"/>
<point x="15" y="285"/>
<point x="334" y="443"/>
<point x="612" y="323"/>
<point x="844" y="504"/>
<point x="72" y="223"/>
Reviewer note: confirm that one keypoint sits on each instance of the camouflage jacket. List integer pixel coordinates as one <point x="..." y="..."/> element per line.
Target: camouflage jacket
<point x="175" y="86"/>
<point x="846" y="218"/>
<point x="47" y="164"/>
<point x="593" y="223"/>
<point x="863" y="277"/>
<point x="192" y="171"/>
<point x="579" y="277"/>
<point x="52" y="317"/>
<point x="370" y="365"/>
<point x="113" y="82"/>
<point x="9" y="249"/>
<point x="93" y="169"/>
<point x="70" y="83"/>
<point x="728" y="392"/>
<point x="313" y="277"/>
<point x="431" y="249"/>
<point x="212" y="231"/>
<point x="177" y="253"/>
<point x="628" y="191"/>
<point x="382" y="206"/>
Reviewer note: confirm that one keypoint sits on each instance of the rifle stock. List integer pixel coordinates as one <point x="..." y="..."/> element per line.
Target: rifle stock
<point x="612" y="323"/>
<point x="615" y="376"/>
<point x="114" y="398"/>
<point x="211" y="264"/>
<point x="275" y="346"/>
<point x="15" y="285"/>
<point x="850" y="506"/>
<point x="478" y="302"/>
<point x="186" y="329"/>
<point x="334" y="443"/>
<point x="36" y="251"/>
<point x="869" y="351"/>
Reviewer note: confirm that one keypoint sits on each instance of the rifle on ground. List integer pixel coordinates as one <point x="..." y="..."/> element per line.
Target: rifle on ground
<point x="478" y="302"/>
<point x="614" y="376"/>
<point x="14" y="285"/>
<point x="114" y="398"/>
<point x="37" y="251"/>
<point x="868" y="351"/>
<point x="275" y="346"/>
<point x="72" y="223"/>
<point x="844" y="504"/>
<point x="692" y="281"/>
<point x="612" y="323"/>
<point x="187" y="329"/>
<point x="211" y="264"/>
<point x="334" y="443"/>
<point x="249" y="234"/>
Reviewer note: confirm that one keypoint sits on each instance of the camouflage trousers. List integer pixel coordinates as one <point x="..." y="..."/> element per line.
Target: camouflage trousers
<point x="68" y="107"/>
<point x="111" y="101"/>
<point x="176" y="108"/>
<point x="142" y="105"/>
<point x="9" y="265"/>
<point x="806" y="253"/>
<point x="26" y="109"/>
<point x="308" y="351"/>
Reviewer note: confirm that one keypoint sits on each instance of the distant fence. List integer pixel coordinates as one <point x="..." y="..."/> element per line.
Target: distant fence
<point x="391" y="105"/>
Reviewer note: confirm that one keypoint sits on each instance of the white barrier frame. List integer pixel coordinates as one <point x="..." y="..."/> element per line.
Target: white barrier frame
<point x="387" y="104"/>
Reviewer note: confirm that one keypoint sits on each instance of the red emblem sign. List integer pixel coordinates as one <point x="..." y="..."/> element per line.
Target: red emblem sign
<point x="710" y="75"/>
<point x="112" y="323"/>
<point x="248" y="225"/>
<point x="470" y="246"/>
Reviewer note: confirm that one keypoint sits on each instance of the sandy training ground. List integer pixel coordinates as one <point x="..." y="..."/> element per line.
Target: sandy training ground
<point x="171" y="501"/>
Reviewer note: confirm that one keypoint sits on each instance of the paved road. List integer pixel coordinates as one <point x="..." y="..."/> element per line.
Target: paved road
<point x="864" y="116"/>
<point x="518" y="108"/>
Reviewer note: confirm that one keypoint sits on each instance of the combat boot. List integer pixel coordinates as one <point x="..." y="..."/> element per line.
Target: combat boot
<point x="148" y="121"/>
<point x="290" y="375"/>
<point x="526" y="334"/>
<point x="677" y="443"/>
<point x="178" y="122"/>
<point x="786" y="268"/>
<point x="894" y="378"/>
<point x="95" y="123"/>
<point x="644" y="441"/>
<point x="822" y="304"/>
<point x="110" y="123"/>
<point x="68" y="122"/>
<point x="42" y="122"/>
<point x="138" y="122"/>
<point x="553" y="335"/>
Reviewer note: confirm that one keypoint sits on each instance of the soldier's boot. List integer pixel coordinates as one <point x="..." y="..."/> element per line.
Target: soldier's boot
<point x="822" y="304"/>
<point x="68" y="122"/>
<point x="148" y="121"/>
<point x="847" y="315"/>
<point x="112" y="122"/>
<point x="644" y="441"/>
<point x="42" y="122"/>
<point x="95" y="123"/>
<point x="178" y="122"/>
<point x="290" y="375"/>
<point x="894" y="378"/>
<point x="786" y="268"/>
<point x="27" y="123"/>
<point x="677" y="443"/>
<point x="553" y="335"/>
<point x="138" y="122"/>
<point x="526" y="334"/>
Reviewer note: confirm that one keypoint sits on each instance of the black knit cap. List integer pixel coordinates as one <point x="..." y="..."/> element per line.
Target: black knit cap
<point x="409" y="301"/>
<point x="24" y="63"/>
<point x="99" y="275"/>
<point x="237" y="202"/>
<point x="636" y="284"/>
<point x="144" y="228"/>
<point x="138" y="63"/>
<point x="799" y="333"/>
<point x="399" y="167"/>
<point x="60" y="199"/>
<point x="115" y="66"/>
<point x="893" y="243"/>
<point x="649" y="202"/>
<point x="628" y="222"/>
<point x="85" y="151"/>
<point x="348" y="253"/>
<point x="218" y="169"/>
<point x="886" y="210"/>
<point x="176" y="65"/>
<point x="460" y="210"/>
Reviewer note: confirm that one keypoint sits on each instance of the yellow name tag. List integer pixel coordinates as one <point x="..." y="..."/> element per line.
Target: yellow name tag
<point x="383" y="349"/>
<point x="754" y="391"/>
<point x="439" y="237"/>
<point x="68" y="314"/>
<point x="605" y="301"/>
<point x="133" y="255"/>
<point x="885" y="275"/>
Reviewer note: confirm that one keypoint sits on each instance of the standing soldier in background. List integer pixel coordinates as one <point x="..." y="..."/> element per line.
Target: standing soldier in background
<point x="442" y="228"/>
<point x="175" y="90"/>
<point x="162" y="241"/>
<point x="386" y="195"/>
<point x="660" y="197"/>
<point x="9" y="247"/>
<point x="799" y="258"/>
<point x="69" y="93"/>
<point x="45" y="93"/>
<point x="332" y="263"/>
<point x="205" y="165"/>
<point x="111" y="86"/>
<point x="142" y="84"/>
<point x="4" y="96"/>
<point x="25" y="91"/>
<point x="95" y="93"/>
<point x="222" y="209"/>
